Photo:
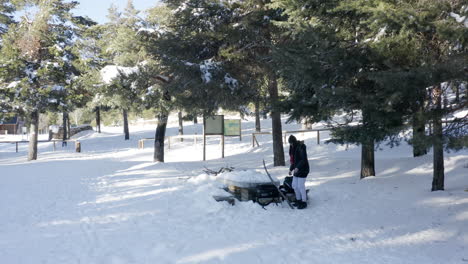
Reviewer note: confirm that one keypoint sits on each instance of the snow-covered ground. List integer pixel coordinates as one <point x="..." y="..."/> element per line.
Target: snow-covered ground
<point x="112" y="204"/>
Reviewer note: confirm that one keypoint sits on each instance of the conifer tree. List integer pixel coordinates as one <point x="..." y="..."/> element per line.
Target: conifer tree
<point x="6" y="16"/>
<point x="422" y="54"/>
<point x="38" y="70"/>
<point x="91" y="60"/>
<point x="224" y="40"/>
<point x="122" y="49"/>
<point x="182" y="48"/>
<point x="371" y="47"/>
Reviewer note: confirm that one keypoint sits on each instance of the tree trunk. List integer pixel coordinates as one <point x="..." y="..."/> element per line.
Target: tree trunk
<point x="34" y="129"/>
<point x="65" y="127"/>
<point x="437" y="141"/>
<point x="159" y="137"/>
<point x="68" y="126"/>
<point x="195" y="120"/>
<point x="419" y="134"/>
<point x="258" y="127"/>
<point x="181" y="126"/>
<point x="125" y="120"/>
<point x="98" y="119"/>
<point x="306" y="125"/>
<point x="278" y="151"/>
<point x="367" y="159"/>
<point x="367" y="148"/>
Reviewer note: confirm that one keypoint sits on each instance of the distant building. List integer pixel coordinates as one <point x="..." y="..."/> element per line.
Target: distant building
<point x="11" y="126"/>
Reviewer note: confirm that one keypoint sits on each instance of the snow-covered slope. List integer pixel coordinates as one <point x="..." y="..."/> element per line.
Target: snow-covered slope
<point x="112" y="204"/>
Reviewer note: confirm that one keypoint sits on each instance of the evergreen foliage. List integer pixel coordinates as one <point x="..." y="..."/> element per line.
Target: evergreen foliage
<point x="38" y="70"/>
<point x="374" y="58"/>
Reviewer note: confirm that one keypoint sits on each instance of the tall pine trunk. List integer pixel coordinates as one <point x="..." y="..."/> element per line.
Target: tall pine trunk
<point x="278" y="151"/>
<point x="65" y="126"/>
<point x="181" y="126"/>
<point x="367" y="149"/>
<point x="34" y="129"/>
<point x="367" y="159"/>
<point x="437" y="142"/>
<point x="419" y="134"/>
<point x="68" y="126"/>
<point x="258" y="127"/>
<point x="159" y="137"/>
<point x="125" y="120"/>
<point x="98" y="119"/>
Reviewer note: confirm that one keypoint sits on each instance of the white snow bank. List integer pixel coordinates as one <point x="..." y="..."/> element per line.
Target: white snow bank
<point x="112" y="204"/>
<point x="83" y="134"/>
<point x="250" y="176"/>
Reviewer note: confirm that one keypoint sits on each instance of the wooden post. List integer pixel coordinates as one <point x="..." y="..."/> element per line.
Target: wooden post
<point x="54" y="146"/>
<point x="16" y="146"/>
<point x="258" y="145"/>
<point x="222" y="147"/>
<point x="240" y="132"/>
<point x="77" y="146"/>
<point x="318" y="137"/>
<point x="204" y="146"/>
<point x="253" y="140"/>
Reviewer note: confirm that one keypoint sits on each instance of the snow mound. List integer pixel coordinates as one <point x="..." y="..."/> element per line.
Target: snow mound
<point x="250" y="176"/>
<point x="83" y="134"/>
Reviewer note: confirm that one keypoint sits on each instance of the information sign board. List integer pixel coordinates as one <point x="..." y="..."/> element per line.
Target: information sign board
<point x="214" y="125"/>
<point x="232" y="127"/>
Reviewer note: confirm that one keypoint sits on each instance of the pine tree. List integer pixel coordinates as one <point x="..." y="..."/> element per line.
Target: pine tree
<point x="6" y="19"/>
<point x="6" y="16"/>
<point x="122" y="48"/>
<point x="423" y="54"/>
<point x="364" y="49"/>
<point x="184" y="46"/>
<point x="90" y="47"/>
<point x="225" y="41"/>
<point x="37" y="59"/>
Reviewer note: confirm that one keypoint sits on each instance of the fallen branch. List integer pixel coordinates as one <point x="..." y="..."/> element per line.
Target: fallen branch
<point x="221" y="170"/>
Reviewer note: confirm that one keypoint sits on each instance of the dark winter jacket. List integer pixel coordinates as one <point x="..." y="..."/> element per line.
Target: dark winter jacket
<point x="298" y="155"/>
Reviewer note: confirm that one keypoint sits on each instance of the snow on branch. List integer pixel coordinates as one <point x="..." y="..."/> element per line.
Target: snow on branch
<point x="460" y="19"/>
<point x="110" y="72"/>
<point x="206" y="67"/>
<point x="231" y="82"/>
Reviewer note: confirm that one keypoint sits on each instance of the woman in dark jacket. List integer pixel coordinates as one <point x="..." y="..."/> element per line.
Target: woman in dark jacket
<point x="299" y="169"/>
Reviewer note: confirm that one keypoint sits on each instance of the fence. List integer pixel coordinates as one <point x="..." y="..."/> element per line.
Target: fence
<point x="77" y="143"/>
<point x="255" y="141"/>
<point x="141" y="142"/>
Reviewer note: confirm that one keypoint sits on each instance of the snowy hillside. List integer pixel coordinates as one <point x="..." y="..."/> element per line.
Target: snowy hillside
<point x="111" y="204"/>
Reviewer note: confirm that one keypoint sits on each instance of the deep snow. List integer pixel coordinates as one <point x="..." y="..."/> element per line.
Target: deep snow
<point x="112" y="204"/>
